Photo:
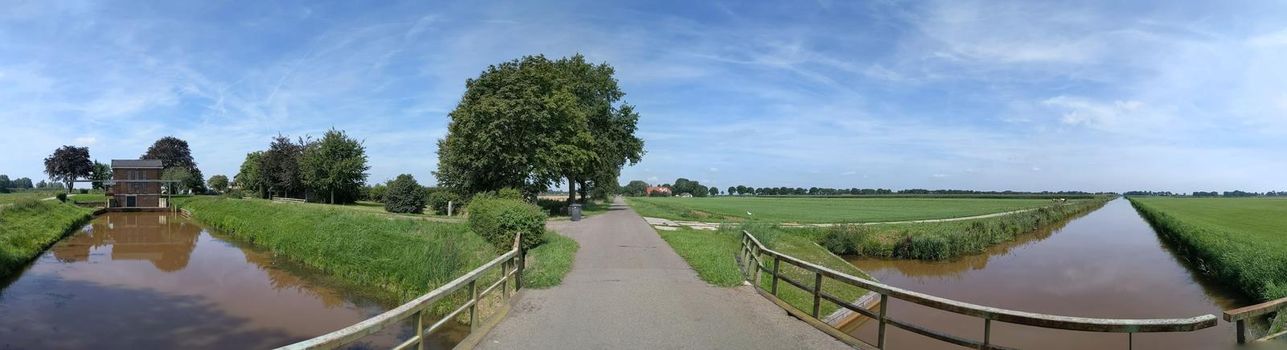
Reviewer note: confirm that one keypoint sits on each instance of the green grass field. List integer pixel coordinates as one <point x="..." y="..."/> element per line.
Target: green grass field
<point x="712" y="255"/>
<point x="1242" y="241"/>
<point x="823" y="210"/>
<point x="404" y="258"/>
<point x="10" y="198"/>
<point x="29" y="226"/>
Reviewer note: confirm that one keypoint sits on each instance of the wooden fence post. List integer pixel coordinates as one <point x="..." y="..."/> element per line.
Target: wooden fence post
<point x="817" y="292"/>
<point x="473" y="308"/>
<point x="776" y="261"/>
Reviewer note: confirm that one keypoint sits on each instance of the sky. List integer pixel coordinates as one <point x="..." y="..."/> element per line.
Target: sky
<point x="1029" y="96"/>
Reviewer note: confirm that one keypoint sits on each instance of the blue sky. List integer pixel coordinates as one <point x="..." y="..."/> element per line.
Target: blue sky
<point x="1110" y="96"/>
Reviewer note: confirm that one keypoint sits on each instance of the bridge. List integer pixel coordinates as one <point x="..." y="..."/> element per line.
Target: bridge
<point x="628" y="289"/>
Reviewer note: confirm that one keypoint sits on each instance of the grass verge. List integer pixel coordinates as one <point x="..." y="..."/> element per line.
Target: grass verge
<point x="405" y="258"/>
<point x="712" y="254"/>
<point x="29" y="226"/>
<point x="944" y="240"/>
<point x="1237" y="240"/>
<point x="549" y="262"/>
<point x="824" y="210"/>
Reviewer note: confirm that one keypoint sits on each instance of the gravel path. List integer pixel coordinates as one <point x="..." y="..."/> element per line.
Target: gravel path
<point x="629" y="290"/>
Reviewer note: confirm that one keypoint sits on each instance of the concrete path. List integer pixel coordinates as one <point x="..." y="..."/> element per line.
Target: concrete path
<point x="628" y="289"/>
<point x="667" y="224"/>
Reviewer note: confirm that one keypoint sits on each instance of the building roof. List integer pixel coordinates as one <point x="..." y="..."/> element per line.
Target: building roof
<point x="136" y="164"/>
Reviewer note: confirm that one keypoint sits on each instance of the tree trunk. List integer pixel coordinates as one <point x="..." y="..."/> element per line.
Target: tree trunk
<point x="583" y="190"/>
<point x="571" y="190"/>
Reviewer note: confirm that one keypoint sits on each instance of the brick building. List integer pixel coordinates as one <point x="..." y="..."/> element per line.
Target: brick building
<point x="136" y="183"/>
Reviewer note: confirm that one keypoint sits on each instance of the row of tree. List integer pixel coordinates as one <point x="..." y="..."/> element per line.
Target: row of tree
<point x="534" y="122"/>
<point x="824" y="191"/>
<point x="70" y="163"/>
<point x="681" y="187"/>
<point x="22" y="183"/>
<point x="332" y="169"/>
<point x="1210" y="194"/>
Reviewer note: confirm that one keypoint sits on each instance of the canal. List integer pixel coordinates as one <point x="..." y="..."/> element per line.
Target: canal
<point x="1107" y="264"/>
<point x="161" y="281"/>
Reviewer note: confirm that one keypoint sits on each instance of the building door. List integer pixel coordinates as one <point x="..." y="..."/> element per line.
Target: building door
<point x="129" y="202"/>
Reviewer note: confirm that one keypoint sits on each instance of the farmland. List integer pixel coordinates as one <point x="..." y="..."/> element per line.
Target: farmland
<point x="825" y="210"/>
<point x="1238" y="240"/>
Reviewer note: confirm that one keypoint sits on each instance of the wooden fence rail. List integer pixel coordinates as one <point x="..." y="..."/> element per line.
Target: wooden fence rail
<point x="751" y="260"/>
<point x="1240" y="316"/>
<point x="511" y="266"/>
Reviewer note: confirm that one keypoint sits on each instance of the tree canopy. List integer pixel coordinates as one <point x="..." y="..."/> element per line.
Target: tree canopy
<point x="218" y="183"/>
<point x="280" y="166"/>
<point x="67" y="164"/>
<point x="335" y="167"/>
<point x="100" y="173"/>
<point x="529" y="123"/>
<point x="175" y="153"/>
<point x="251" y="176"/>
<point x="404" y="196"/>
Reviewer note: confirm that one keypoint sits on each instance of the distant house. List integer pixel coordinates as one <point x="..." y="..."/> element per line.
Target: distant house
<point x="136" y="183"/>
<point x="658" y="190"/>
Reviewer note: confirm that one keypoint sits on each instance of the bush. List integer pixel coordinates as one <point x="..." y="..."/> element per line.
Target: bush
<point x="62" y="197"/>
<point x="509" y="193"/>
<point x="553" y="207"/>
<point x="845" y="239"/>
<point x="498" y="219"/>
<point x="438" y="200"/>
<point x="234" y="194"/>
<point x="404" y="196"/>
<point x="83" y="191"/>
<point x="924" y="247"/>
<point x="376" y="193"/>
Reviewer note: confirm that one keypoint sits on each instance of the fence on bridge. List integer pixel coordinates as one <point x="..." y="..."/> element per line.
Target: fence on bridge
<point x="511" y="265"/>
<point x="752" y="261"/>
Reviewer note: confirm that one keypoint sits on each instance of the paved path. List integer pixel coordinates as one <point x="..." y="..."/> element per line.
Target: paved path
<point x="628" y="289"/>
<point x="667" y="224"/>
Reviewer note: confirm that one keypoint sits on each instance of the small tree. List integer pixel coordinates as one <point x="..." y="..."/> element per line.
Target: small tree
<point x="404" y="196"/>
<point x="377" y="193"/>
<point x="182" y="175"/>
<point x="5" y="184"/>
<point x="251" y="177"/>
<point x="219" y="183"/>
<point x="67" y="164"/>
<point x="101" y="173"/>
<point x="714" y="191"/>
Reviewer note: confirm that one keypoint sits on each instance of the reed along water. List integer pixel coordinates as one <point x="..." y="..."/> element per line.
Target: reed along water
<point x="1106" y="264"/>
<point x="161" y="281"/>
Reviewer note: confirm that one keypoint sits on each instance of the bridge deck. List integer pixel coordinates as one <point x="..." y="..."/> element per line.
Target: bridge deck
<point x="628" y="289"/>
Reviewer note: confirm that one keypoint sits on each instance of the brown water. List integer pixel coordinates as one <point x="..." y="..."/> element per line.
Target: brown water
<point x="1107" y="264"/>
<point x="159" y="281"/>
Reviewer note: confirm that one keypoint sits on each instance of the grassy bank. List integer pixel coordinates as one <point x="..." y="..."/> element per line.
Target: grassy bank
<point x="944" y="240"/>
<point x="823" y="210"/>
<point x="29" y="226"/>
<point x="712" y="254"/>
<point x="403" y="257"/>
<point x="14" y="197"/>
<point x="1242" y="241"/>
<point x="550" y="261"/>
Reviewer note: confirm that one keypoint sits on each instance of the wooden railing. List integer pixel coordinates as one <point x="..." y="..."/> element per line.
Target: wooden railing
<point x="752" y="262"/>
<point x="1240" y="316"/>
<point x="511" y="267"/>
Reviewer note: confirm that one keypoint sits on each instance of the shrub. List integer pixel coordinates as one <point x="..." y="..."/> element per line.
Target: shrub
<point x="553" y="207"/>
<point x="509" y="193"/>
<point x="845" y="239"/>
<point x="438" y="200"/>
<point x="377" y="193"/>
<point x="498" y="219"/>
<point x="62" y="197"/>
<point x="923" y="246"/>
<point x="404" y="196"/>
<point x="83" y="191"/>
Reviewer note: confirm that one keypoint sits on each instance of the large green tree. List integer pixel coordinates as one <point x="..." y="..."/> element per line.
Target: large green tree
<point x="175" y="153"/>
<point x="251" y="175"/>
<point x="5" y="184"/>
<point x="280" y="166"/>
<point x="335" y="167"/>
<point x="533" y="122"/>
<point x="67" y="164"/>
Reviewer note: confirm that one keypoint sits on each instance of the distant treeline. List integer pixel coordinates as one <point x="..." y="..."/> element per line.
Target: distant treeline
<point x="823" y="191"/>
<point x="1209" y="194"/>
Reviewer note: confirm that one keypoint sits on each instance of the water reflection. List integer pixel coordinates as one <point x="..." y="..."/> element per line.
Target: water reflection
<point x="134" y="237"/>
<point x="1108" y="264"/>
<point x="148" y="280"/>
